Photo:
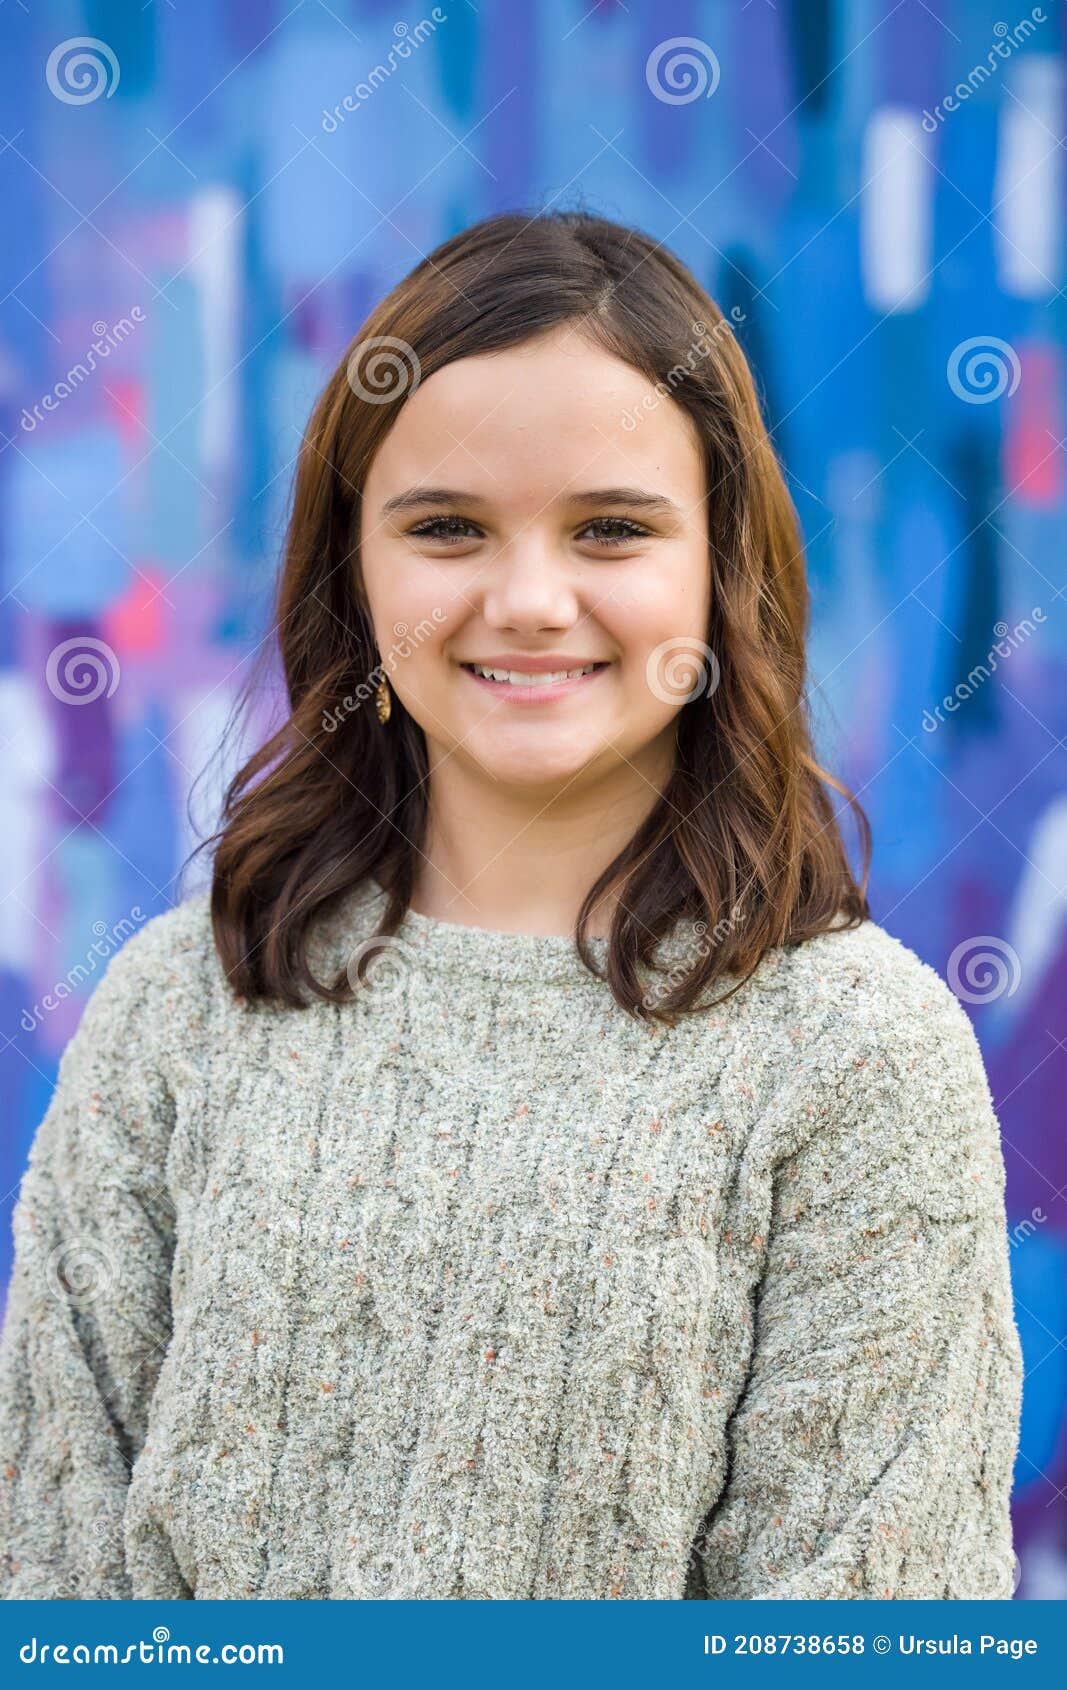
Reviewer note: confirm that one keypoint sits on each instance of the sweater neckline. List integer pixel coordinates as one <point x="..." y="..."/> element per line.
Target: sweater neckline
<point x="458" y="952"/>
<point x="451" y="947"/>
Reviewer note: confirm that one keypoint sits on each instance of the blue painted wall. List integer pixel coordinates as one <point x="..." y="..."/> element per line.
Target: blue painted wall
<point x="196" y="222"/>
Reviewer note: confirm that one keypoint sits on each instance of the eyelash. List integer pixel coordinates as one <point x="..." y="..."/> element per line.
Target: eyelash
<point x="457" y="528"/>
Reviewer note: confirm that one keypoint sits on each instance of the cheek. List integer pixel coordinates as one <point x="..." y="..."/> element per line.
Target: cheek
<point x="394" y="581"/>
<point x="410" y="597"/>
<point x="658" y="600"/>
<point x="658" y="618"/>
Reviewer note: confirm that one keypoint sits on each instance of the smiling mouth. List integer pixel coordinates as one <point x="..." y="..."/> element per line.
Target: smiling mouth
<point x="531" y="678"/>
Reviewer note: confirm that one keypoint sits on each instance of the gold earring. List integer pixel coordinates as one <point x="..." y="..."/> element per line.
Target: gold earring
<point x="383" y="700"/>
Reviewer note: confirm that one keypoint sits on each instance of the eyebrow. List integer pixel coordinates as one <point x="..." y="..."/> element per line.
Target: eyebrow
<point x="599" y="498"/>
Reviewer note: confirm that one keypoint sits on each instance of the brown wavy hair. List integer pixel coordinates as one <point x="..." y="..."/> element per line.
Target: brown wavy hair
<point x="744" y="839"/>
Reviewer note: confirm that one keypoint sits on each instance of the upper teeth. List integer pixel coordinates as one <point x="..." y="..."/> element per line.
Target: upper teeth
<point x="523" y="677"/>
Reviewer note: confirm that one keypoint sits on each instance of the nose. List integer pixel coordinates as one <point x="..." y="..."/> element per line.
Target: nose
<point x="527" y="589"/>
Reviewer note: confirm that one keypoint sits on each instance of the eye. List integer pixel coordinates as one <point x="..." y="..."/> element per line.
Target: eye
<point x="612" y="530"/>
<point x="446" y="529"/>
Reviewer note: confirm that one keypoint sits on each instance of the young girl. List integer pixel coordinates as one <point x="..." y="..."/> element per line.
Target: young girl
<point x="529" y="1172"/>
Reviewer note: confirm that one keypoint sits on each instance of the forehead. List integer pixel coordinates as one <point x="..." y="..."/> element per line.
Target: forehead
<point x="552" y="415"/>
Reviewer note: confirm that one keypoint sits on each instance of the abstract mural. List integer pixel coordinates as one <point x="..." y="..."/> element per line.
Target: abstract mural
<point x="204" y="199"/>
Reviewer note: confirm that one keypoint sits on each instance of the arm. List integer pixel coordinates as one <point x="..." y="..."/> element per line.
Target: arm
<point x="88" y="1309"/>
<point x="871" y="1453"/>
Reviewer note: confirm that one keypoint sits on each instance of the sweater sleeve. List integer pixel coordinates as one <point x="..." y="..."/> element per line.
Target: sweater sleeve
<point x="871" y="1452"/>
<point x="88" y="1309"/>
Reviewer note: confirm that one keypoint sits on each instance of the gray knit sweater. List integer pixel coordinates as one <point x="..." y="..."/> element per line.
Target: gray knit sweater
<point x="478" y="1287"/>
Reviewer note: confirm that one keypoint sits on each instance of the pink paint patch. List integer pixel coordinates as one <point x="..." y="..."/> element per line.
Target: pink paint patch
<point x="1032" y="459"/>
<point x="125" y="401"/>
<point x="134" y="624"/>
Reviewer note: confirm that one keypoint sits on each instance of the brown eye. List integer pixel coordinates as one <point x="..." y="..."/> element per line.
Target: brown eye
<point x="444" y="528"/>
<point x="612" y="530"/>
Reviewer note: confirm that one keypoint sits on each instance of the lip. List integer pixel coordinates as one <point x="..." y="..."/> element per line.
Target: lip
<point x="529" y="664"/>
<point x="534" y="694"/>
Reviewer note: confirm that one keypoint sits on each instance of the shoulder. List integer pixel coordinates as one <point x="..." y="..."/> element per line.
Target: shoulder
<point x="139" y="1035"/>
<point x="863" y="984"/>
<point x="165" y="969"/>
<point x="173" y="947"/>
<point x="888" y="1068"/>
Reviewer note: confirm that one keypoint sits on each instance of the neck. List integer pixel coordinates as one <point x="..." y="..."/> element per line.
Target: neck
<point x="519" y="859"/>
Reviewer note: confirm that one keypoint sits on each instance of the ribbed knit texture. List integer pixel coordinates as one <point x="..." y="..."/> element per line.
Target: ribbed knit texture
<point x="477" y="1287"/>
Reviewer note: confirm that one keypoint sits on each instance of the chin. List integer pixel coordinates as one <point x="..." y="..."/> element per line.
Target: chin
<point x="532" y="767"/>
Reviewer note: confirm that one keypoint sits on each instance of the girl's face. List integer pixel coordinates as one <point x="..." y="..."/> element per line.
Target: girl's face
<point x="517" y="519"/>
